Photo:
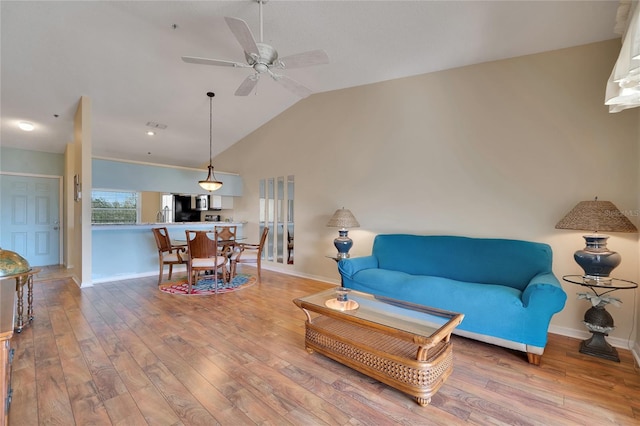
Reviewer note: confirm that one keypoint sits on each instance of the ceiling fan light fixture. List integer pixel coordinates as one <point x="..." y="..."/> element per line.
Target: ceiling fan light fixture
<point x="210" y="184"/>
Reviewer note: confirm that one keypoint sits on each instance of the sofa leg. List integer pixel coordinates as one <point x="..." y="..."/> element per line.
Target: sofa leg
<point x="534" y="358"/>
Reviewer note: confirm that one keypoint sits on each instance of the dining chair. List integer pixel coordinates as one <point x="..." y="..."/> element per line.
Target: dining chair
<point x="204" y="256"/>
<point x="226" y="242"/>
<point x="289" y="248"/>
<point x="226" y="235"/>
<point x="168" y="254"/>
<point x="249" y="253"/>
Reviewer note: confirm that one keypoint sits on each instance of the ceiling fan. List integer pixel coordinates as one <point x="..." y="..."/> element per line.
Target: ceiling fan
<point x="263" y="58"/>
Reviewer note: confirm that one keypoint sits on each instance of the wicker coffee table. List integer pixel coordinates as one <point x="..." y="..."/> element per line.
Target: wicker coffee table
<point x="401" y="344"/>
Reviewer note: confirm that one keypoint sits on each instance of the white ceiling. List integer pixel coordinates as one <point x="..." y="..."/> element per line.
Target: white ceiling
<point x="126" y="57"/>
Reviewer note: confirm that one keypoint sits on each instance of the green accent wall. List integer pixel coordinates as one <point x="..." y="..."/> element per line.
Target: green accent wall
<point x="14" y="160"/>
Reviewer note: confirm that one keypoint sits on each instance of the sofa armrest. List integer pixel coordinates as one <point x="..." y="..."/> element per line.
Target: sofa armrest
<point x="545" y="290"/>
<point x="348" y="267"/>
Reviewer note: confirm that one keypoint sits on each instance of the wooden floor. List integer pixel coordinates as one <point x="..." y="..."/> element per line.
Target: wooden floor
<point x="124" y="353"/>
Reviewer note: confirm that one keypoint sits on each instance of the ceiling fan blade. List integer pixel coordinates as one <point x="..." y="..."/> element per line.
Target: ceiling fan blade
<point x="292" y="85"/>
<point x="217" y="62"/>
<point x="305" y="59"/>
<point x="243" y="34"/>
<point x="247" y="85"/>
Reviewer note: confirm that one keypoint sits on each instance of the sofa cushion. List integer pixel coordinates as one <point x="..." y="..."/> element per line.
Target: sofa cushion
<point x="489" y="309"/>
<point x="504" y="262"/>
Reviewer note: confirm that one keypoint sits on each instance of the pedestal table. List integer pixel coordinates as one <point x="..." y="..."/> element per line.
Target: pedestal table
<point x="598" y="321"/>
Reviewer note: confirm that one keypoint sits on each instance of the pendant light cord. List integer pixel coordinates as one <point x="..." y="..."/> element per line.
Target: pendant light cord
<point x="210" y="130"/>
<point x="211" y="95"/>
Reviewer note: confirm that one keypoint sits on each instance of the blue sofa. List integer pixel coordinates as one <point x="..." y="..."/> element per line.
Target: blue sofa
<point x="505" y="288"/>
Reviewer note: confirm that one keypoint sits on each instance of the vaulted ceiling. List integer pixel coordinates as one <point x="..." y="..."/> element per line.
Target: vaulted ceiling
<point x="126" y="57"/>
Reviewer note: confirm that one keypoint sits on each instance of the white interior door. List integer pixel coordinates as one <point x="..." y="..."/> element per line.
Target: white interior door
<point x="30" y="218"/>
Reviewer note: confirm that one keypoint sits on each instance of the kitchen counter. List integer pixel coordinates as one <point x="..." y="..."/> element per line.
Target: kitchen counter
<point x="168" y="225"/>
<point x="124" y="251"/>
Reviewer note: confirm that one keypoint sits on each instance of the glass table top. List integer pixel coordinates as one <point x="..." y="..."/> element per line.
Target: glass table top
<point x="403" y="316"/>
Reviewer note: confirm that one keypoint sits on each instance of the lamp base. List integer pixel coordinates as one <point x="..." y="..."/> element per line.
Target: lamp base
<point x="343" y="243"/>
<point x="596" y="259"/>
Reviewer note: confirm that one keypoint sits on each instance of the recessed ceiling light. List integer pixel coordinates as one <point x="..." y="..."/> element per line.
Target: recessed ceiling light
<point x="150" y="133"/>
<point x="26" y="126"/>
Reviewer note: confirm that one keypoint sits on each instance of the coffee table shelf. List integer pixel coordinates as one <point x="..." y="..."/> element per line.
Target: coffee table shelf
<point x="403" y="345"/>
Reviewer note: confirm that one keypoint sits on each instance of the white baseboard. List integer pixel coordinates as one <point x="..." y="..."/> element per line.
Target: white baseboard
<point x="289" y="271"/>
<point x="125" y="277"/>
<point x="617" y="342"/>
<point x="275" y="268"/>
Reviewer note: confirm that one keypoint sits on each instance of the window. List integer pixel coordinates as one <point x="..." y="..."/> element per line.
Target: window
<point x="114" y="206"/>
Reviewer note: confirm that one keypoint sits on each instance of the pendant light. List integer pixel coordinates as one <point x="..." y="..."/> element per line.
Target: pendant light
<point x="210" y="183"/>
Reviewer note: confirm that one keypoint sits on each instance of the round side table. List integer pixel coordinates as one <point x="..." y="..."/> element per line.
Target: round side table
<point x="598" y="321"/>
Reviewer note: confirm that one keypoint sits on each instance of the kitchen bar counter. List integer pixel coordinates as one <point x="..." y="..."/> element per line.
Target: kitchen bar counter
<point x="122" y="252"/>
<point x="168" y="225"/>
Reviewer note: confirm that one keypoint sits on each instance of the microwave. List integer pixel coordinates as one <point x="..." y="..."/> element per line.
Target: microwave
<point x="201" y="202"/>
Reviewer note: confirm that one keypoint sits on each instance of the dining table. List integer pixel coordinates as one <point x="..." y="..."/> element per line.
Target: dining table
<point x="226" y="248"/>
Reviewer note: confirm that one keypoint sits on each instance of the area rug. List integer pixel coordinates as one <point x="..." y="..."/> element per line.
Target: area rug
<point x="207" y="286"/>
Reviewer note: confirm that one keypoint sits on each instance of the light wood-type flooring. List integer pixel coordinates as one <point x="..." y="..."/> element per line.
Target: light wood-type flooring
<point x="124" y="353"/>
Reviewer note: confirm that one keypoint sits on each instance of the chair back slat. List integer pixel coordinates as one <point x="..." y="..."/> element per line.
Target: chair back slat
<point x="202" y="244"/>
<point x="226" y="233"/>
<point x="162" y="239"/>
<point x="263" y="238"/>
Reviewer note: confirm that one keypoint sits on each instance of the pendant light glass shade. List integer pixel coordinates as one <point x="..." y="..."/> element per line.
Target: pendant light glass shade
<point x="210" y="183"/>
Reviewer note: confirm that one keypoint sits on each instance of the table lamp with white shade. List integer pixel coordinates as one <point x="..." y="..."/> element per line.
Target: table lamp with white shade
<point x="343" y="219"/>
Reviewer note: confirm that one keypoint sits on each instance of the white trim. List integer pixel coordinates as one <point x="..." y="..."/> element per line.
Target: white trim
<point x="168" y="166"/>
<point x="123" y="277"/>
<point x="274" y="267"/>
<point x="31" y="175"/>
<point x="176" y="268"/>
<point x="584" y="334"/>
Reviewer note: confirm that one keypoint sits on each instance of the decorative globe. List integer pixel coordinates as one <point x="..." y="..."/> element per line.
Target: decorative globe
<point x="11" y="263"/>
<point x="599" y="317"/>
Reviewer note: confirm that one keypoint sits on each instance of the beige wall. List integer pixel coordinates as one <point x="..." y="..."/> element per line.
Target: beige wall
<point x="151" y="203"/>
<point x="501" y="149"/>
<point x="78" y="214"/>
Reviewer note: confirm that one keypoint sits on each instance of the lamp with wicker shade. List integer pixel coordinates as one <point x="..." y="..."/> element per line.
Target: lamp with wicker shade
<point x="596" y="259"/>
<point x="343" y="219"/>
